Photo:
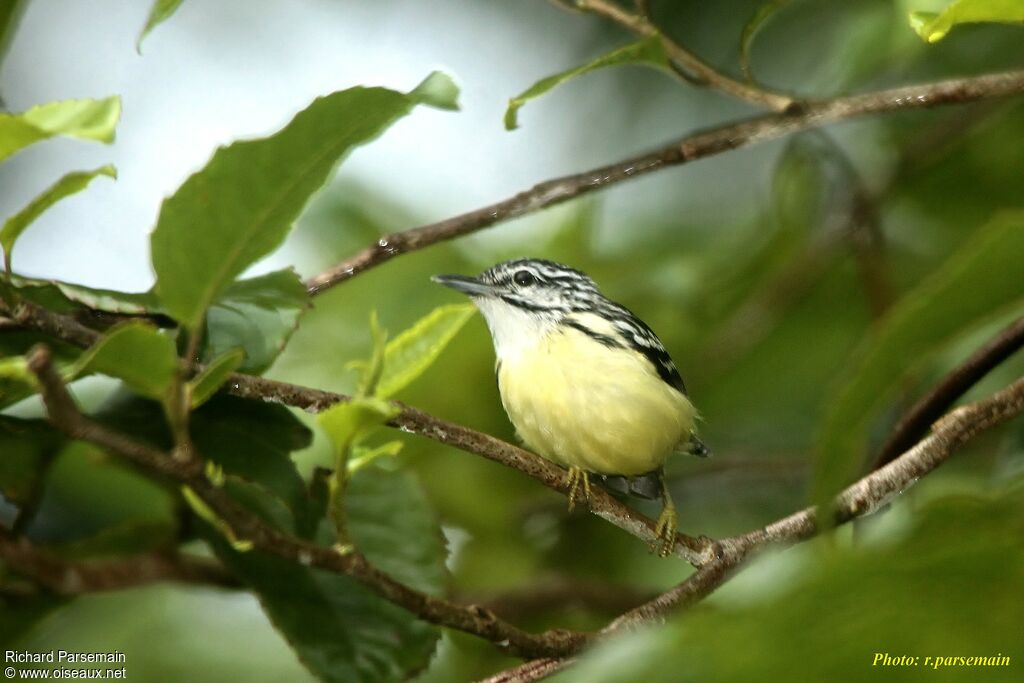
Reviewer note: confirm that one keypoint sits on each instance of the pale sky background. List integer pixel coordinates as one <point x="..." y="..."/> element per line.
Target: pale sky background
<point x="219" y="71"/>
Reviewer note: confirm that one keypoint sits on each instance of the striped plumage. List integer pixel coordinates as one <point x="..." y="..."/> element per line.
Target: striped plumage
<point x="585" y="382"/>
<point x="567" y="292"/>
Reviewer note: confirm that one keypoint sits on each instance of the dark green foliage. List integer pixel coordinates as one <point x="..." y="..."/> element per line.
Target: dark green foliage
<point x="28" y="448"/>
<point x="258" y="316"/>
<point x="358" y="636"/>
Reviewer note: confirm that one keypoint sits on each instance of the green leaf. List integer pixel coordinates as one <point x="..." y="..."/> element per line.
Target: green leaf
<point x="361" y="457"/>
<point x="160" y="12"/>
<point x="10" y="17"/>
<point x="308" y="523"/>
<point x="374" y="368"/>
<point x="408" y="355"/>
<point x="137" y="354"/>
<point x="254" y="441"/>
<point x="257" y="315"/>
<point x="26" y="449"/>
<point x="346" y="423"/>
<point x="438" y="90"/>
<point x="83" y="119"/>
<point x="933" y="27"/>
<point x="206" y="383"/>
<point x="251" y="440"/>
<point x="16" y="381"/>
<point x="751" y="29"/>
<point x="18" y="343"/>
<point x="647" y="52"/>
<point x="340" y="630"/>
<point x="800" y="190"/>
<point x="127" y="538"/>
<point x="68" y="185"/>
<point x="18" y="613"/>
<point x="207" y="514"/>
<point x="981" y="279"/>
<point x="948" y="586"/>
<point x="393" y="524"/>
<point x="239" y="207"/>
<point x="66" y="297"/>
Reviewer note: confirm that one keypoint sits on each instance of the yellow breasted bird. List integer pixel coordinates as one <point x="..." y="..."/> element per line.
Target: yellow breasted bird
<point x="585" y="382"/>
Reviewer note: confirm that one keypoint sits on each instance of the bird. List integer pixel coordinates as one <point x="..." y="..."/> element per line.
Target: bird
<point x="585" y="382"/>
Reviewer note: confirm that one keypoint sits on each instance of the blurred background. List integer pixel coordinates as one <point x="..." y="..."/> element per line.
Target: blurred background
<point x="761" y="269"/>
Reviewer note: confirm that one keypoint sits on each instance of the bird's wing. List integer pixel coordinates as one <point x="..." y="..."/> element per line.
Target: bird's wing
<point x="641" y="338"/>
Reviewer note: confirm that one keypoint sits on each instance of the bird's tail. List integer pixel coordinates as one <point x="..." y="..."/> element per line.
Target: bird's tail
<point x="694" y="446"/>
<point x="646" y="486"/>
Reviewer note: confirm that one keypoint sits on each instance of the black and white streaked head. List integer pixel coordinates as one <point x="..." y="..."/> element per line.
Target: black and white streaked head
<point x="525" y="299"/>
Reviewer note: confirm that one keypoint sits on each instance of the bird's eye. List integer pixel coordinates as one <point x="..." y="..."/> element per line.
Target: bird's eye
<point x="524" y="278"/>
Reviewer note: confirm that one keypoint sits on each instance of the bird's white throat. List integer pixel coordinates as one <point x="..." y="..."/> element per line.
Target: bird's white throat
<point x="513" y="330"/>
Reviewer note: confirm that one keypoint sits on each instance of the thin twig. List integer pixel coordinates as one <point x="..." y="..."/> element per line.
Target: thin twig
<point x="696" y="146"/>
<point x="955" y="384"/>
<point x="89" y="576"/>
<point x="533" y="670"/>
<point x="550" y="594"/>
<point x="686" y="60"/>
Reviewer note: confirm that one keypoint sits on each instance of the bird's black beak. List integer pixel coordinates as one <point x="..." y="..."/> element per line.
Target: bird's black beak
<point x="466" y="285"/>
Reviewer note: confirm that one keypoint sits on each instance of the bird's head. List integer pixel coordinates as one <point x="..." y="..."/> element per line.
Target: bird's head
<point x="523" y="299"/>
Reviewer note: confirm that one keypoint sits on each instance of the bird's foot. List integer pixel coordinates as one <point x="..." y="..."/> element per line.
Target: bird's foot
<point x="578" y="483"/>
<point x="665" y="531"/>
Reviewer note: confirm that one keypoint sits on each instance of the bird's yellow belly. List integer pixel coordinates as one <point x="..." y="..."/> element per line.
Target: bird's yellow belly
<point x="581" y="404"/>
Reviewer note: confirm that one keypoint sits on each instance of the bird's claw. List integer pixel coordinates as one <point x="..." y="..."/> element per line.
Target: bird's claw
<point x="665" y="531"/>
<point x="578" y="483"/>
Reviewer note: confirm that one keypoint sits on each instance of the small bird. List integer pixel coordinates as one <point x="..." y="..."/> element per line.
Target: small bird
<point x="586" y="383"/>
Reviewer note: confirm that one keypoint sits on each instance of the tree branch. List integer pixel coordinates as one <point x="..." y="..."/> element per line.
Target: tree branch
<point x="558" y="593"/>
<point x="944" y="394"/>
<point x="699" y="145"/>
<point x="472" y="619"/>
<point x="693" y="67"/>
<point x="533" y="670"/>
<point x="90" y="576"/>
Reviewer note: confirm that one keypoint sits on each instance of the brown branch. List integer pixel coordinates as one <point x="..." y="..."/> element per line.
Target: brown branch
<point x="90" y="576"/>
<point x="64" y="415"/>
<point x="696" y="146"/>
<point x="688" y="62"/>
<point x="550" y="594"/>
<point x="62" y="327"/>
<point x="954" y="385"/>
<point x="533" y="670"/>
